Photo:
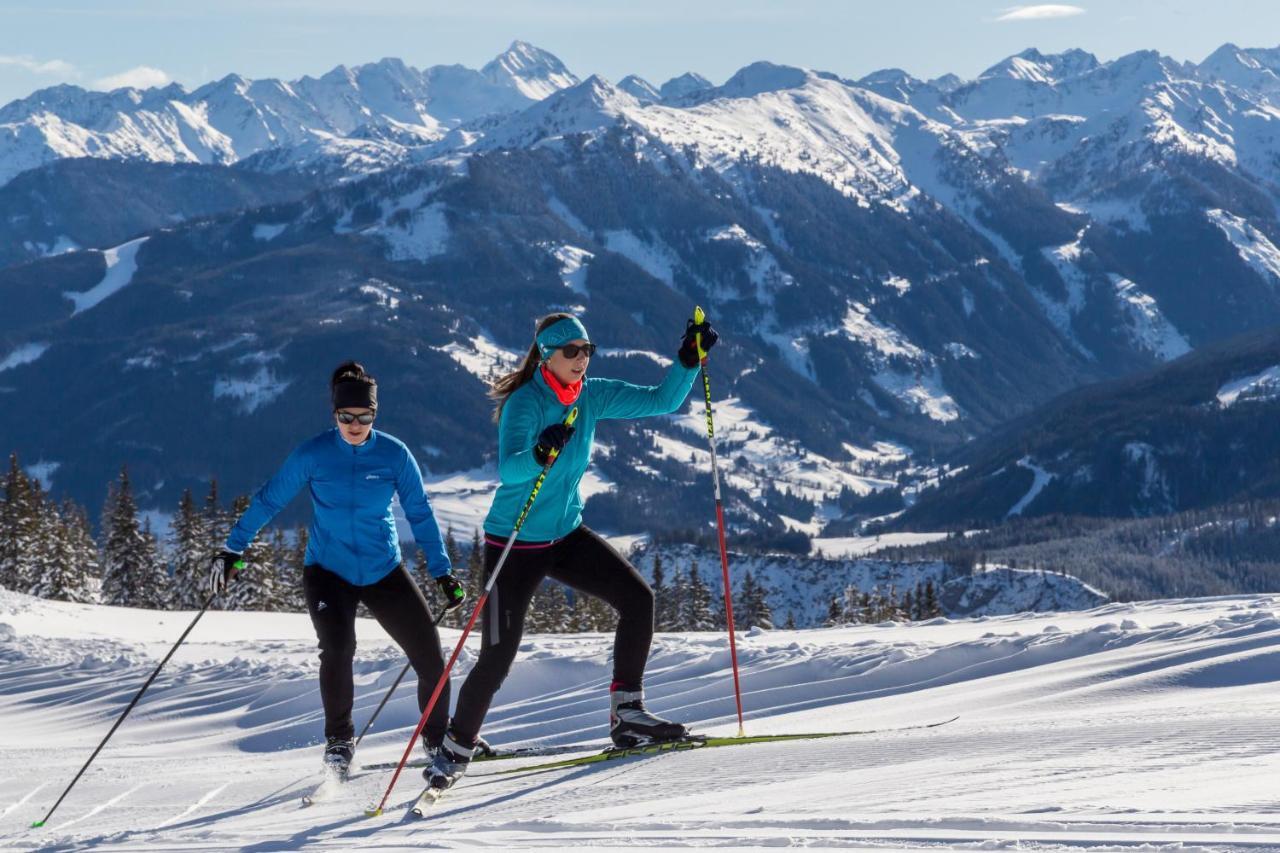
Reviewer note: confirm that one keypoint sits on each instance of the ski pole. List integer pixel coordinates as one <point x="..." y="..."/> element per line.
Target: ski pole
<point x="698" y="318"/>
<point x="120" y="720"/>
<point x="383" y="703"/>
<point x="374" y="811"/>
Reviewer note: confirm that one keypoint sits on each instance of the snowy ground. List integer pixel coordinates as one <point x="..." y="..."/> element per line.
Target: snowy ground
<point x="1145" y="726"/>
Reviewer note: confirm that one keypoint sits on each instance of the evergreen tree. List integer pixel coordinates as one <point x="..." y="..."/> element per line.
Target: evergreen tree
<point x="790" y="624"/>
<point x="152" y="589"/>
<point x="289" y="579"/>
<point x="549" y="609"/>
<point x="663" y="601"/>
<point x="931" y="609"/>
<point x="191" y="555"/>
<point x="697" y="603"/>
<point x="61" y="574"/>
<point x="284" y="576"/>
<point x="835" y="611"/>
<point x="753" y="602"/>
<point x="125" y="566"/>
<point x="679" y="595"/>
<point x="19" y="522"/>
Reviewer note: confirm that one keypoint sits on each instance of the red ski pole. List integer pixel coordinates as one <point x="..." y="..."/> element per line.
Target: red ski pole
<point x="374" y="811"/>
<point x="699" y="317"/>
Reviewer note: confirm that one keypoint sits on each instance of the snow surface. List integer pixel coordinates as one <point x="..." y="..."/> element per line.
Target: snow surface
<point x="1041" y="479"/>
<point x="253" y="392"/>
<point x="1251" y="244"/>
<point x="122" y="263"/>
<point x="23" y="354"/>
<point x="1258" y="387"/>
<point x="1144" y="726"/>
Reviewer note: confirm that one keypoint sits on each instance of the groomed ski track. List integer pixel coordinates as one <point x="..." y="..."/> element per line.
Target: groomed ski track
<point x="1133" y="726"/>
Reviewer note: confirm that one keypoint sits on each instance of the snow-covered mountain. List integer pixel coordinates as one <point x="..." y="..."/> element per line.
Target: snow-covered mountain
<point x="801" y="588"/>
<point x="917" y="260"/>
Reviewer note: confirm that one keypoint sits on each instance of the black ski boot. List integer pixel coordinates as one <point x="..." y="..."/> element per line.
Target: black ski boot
<point x="337" y="756"/>
<point x="631" y="725"/>
<point x="450" y="761"/>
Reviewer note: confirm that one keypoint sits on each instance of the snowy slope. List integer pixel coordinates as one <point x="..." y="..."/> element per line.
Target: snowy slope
<point x="1131" y="726"/>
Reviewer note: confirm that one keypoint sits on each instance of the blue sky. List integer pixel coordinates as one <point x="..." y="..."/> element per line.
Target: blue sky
<point x="102" y="43"/>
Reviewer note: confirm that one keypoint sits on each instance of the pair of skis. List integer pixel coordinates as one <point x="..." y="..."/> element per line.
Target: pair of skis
<point x="431" y="796"/>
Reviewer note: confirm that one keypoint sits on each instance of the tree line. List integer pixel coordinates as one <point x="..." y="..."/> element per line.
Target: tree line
<point x="48" y="549"/>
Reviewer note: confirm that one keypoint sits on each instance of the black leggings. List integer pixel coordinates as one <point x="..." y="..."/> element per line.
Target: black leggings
<point x="582" y="560"/>
<point x="400" y="608"/>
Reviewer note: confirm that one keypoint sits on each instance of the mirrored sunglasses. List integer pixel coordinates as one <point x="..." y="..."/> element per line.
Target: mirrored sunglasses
<point x="347" y="417"/>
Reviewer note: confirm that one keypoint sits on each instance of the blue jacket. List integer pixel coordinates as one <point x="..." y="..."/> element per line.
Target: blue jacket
<point x="353" y="533"/>
<point x="531" y="408"/>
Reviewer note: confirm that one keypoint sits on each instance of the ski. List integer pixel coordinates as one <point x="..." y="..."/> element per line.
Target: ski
<point x="695" y="742"/>
<point x="428" y="798"/>
<point x="599" y="749"/>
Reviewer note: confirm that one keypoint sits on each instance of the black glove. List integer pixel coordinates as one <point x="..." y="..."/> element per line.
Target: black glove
<point x="452" y="591"/>
<point x="689" y="345"/>
<point x="223" y="569"/>
<point x="551" y="438"/>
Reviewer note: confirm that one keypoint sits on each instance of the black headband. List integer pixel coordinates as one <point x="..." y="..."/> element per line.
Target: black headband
<point x="355" y="394"/>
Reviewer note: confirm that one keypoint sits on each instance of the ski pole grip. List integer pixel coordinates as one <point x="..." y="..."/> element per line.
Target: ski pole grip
<point x="698" y="317"/>
<point x="568" y="421"/>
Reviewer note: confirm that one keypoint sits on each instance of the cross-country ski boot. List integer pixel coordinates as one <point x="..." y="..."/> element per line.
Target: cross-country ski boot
<point x="630" y="725"/>
<point x="337" y="756"/>
<point x="450" y="761"/>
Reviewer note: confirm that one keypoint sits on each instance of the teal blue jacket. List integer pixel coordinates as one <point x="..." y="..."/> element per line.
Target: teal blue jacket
<point x="533" y="407"/>
<point x="353" y="533"/>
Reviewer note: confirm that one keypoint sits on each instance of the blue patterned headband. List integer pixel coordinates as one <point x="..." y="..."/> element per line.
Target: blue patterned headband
<point x="560" y="333"/>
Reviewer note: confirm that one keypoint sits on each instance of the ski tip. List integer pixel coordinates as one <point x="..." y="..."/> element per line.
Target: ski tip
<point x="698" y="314"/>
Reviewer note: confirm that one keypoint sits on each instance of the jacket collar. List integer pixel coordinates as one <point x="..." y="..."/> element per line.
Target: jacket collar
<point x="357" y="449"/>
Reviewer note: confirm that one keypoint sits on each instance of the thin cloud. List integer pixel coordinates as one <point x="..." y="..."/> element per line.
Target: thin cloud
<point x="142" y="77"/>
<point x="54" y="67"/>
<point x="1042" y="12"/>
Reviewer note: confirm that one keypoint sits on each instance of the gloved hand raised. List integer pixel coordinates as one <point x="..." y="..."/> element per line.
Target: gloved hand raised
<point x="552" y="438"/>
<point x="223" y="569"/>
<point x="452" y="591"/>
<point x="689" y="343"/>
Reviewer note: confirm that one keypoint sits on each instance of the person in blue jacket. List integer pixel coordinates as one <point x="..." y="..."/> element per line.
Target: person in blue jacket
<point x="532" y="403"/>
<point x="353" y="554"/>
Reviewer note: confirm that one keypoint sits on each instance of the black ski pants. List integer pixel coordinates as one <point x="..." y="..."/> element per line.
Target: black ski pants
<point x="400" y="608"/>
<point x="583" y="561"/>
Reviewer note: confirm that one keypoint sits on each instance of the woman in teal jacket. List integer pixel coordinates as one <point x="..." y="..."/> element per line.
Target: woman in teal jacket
<point x="353" y="553"/>
<point x="532" y="403"/>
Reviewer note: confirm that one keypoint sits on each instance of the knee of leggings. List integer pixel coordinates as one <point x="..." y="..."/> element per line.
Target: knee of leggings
<point x="639" y="606"/>
<point x="338" y="649"/>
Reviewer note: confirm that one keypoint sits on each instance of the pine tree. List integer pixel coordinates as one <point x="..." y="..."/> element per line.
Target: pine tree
<point x="282" y="570"/>
<point x="19" y="522"/>
<point x="931" y="608"/>
<point x="152" y="587"/>
<point x="125" y="568"/>
<point x="679" y="596"/>
<point x="191" y="555"/>
<point x="790" y="624"/>
<point x="663" y="601"/>
<point x="753" y="602"/>
<point x="835" y="611"/>
<point x="61" y="575"/>
<point x="289" y="579"/>
<point x="697" y="603"/>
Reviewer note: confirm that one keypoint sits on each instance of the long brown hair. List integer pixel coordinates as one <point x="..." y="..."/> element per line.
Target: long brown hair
<point x="505" y="386"/>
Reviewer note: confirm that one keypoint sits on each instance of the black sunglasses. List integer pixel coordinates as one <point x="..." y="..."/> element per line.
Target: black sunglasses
<point x="347" y="417"/>
<point x="572" y="350"/>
